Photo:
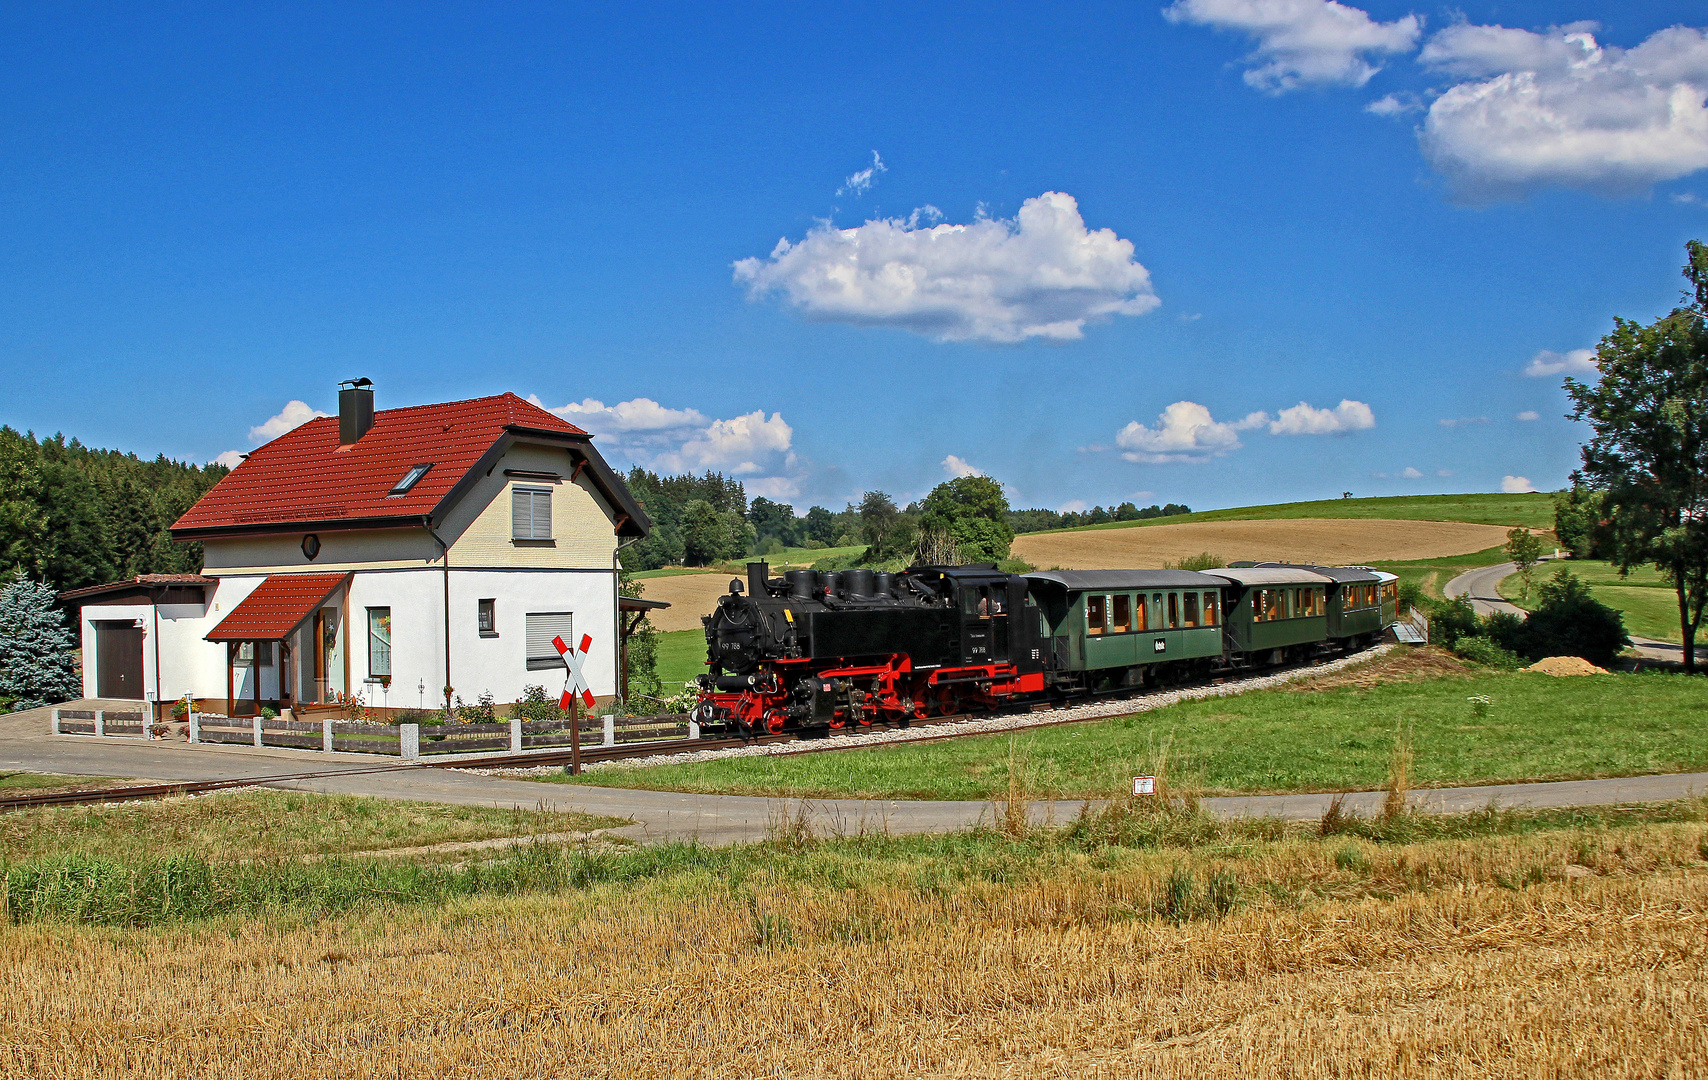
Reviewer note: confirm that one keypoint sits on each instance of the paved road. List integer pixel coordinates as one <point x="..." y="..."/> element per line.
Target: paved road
<point x="1482" y="586"/>
<point x="711" y="819"/>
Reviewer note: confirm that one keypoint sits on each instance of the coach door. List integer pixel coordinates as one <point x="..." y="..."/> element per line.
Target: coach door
<point x="118" y="660"/>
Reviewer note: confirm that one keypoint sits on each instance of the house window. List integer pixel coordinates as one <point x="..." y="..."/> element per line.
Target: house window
<point x="1123" y="614"/>
<point x="542" y="627"/>
<point x="530" y="513"/>
<point x="246" y="652"/>
<point x="410" y="478"/>
<point x="1096" y="608"/>
<point x="379" y="643"/>
<point x="488" y="618"/>
<point x="1190" y="603"/>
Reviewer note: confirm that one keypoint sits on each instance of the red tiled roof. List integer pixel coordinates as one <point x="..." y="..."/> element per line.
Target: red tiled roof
<point x="277" y="606"/>
<point x="305" y="476"/>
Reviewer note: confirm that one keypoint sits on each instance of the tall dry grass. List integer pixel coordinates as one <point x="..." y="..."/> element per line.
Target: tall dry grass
<point x="1576" y="952"/>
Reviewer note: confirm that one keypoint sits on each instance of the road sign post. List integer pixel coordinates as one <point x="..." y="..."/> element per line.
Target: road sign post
<point x="576" y="692"/>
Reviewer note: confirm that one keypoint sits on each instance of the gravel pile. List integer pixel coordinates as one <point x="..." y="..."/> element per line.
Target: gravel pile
<point x="979" y="725"/>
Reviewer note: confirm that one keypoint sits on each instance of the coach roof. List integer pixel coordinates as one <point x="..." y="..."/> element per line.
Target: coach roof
<point x="1126" y="580"/>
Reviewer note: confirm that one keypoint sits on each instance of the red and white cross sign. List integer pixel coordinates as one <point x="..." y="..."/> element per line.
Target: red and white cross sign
<point x="576" y="683"/>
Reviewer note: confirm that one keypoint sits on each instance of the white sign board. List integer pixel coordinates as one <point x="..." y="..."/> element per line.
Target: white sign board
<point x="1144" y="785"/>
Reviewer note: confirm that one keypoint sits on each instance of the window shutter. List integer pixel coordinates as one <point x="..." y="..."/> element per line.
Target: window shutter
<point x="542" y="515"/>
<point x="541" y="628"/>
<point x="521" y="507"/>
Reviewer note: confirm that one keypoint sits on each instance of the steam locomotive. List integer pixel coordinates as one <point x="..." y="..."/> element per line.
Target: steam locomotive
<point x="817" y="649"/>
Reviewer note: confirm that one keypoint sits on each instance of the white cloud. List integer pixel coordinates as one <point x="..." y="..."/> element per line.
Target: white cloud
<point x="1515" y="485"/>
<point x="1394" y="105"/>
<point x="231" y="459"/>
<point x="861" y="182"/>
<point x="1410" y="473"/>
<point x="1301" y="419"/>
<point x="294" y="415"/>
<point x="958" y="467"/>
<point x="638" y="414"/>
<point x="1073" y="506"/>
<point x="736" y="445"/>
<point x="1041" y="275"/>
<point x="1300" y="42"/>
<point x="1528" y="414"/>
<point x="1443" y="472"/>
<point x="1185" y="431"/>
<point x="1559" y="108"/>
<point x="1576" y="362"/>
<point x="1464" y="421"/>
<point x="779" y="488"/>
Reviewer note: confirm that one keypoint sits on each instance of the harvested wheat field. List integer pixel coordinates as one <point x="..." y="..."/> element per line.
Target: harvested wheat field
<point x="1326" y="541"/>
<point x="689" y="596"/>
<point x="1577" y="951"/>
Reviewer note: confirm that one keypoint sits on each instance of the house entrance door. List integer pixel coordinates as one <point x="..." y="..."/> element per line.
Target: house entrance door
<point x="118" y="660"/>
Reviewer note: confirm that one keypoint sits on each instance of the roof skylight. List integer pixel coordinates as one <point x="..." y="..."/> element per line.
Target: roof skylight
<point x="410" y="479"/>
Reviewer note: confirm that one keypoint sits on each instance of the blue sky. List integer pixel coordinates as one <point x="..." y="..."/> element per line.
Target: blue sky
<point x="1109" y="253"/>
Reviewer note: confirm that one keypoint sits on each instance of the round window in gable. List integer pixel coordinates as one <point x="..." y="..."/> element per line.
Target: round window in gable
<point x="311" y="546"/>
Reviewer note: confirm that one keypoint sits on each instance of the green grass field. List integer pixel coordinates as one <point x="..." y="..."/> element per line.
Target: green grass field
<point x="1535" y="511"/>
<point x="1432" y="574"/>
<point x="1645" y="597"/>
<point x="681" y="656"/>
<point x="1536" y="728"/>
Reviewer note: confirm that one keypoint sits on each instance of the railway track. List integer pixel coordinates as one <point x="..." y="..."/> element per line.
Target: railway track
<point x="825" y="743"/>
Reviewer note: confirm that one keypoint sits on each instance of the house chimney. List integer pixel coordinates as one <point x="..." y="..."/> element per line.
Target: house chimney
<point x="355" y="409"/>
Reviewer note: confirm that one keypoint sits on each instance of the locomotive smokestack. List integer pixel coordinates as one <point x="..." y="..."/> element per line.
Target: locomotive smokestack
<point x="757" y="574"/>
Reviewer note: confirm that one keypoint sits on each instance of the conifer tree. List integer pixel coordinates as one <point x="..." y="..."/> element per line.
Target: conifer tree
<point x="37" y="664"/>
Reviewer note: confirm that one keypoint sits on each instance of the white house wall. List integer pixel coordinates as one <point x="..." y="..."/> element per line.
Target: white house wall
<point x="188" y="664"/>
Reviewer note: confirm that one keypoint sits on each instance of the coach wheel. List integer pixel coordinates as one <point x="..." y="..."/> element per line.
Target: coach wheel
<point x="948" y="703"/>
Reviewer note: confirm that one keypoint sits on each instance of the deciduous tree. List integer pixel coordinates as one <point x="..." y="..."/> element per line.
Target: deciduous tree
<point x="1525" y="551"/>
<point x="1649" y="450"/>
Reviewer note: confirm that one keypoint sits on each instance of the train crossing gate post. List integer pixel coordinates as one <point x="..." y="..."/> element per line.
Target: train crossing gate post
<point x="575" y="690"/>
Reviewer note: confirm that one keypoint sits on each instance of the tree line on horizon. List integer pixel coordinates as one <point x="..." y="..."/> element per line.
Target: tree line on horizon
<point x="72" y="515"/>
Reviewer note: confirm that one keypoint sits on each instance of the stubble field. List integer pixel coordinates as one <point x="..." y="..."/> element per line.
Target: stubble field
<point x="1328" y="541"/>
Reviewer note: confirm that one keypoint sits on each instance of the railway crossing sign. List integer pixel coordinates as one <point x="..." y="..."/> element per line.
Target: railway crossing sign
<point x="576" y="684"/>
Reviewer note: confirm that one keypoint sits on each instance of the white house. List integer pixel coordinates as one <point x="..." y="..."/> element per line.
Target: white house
<point x="404" y="555"/>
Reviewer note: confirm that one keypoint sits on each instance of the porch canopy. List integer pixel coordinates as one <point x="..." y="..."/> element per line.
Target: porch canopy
<point x="277" y="607"/>
<point x="280" y="604"/>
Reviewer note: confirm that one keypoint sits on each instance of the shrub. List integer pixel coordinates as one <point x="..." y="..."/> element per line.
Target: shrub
<point x="1452" y="619"/>
<point x="1570" y="621"/>
<point x="1480" y="650"/>
<point x="537" y="706"/>
<point x="1411" y="596"/>
<point x="481" y="712"/>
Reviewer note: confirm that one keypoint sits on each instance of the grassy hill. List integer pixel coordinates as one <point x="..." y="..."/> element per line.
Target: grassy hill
<point x="1534" y="510"/>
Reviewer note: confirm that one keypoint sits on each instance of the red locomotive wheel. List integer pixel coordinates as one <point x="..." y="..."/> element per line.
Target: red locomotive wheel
<point x="837" y="721"/>
<point x="774" y="721"/>
<point x="948" y="702"/>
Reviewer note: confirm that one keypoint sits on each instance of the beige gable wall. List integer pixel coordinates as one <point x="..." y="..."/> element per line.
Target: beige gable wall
<point x="583" y="536"/>
<point x="367" y="549"/>
<point x="477" y="529"/>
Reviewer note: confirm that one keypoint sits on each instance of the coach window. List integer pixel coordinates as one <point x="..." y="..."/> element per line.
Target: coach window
<point x="1259" y="605"/>
<point x="1190" y="604"/>
<point x="1173" y="611"/>
<point x="1123" y="620"/>
<point x="1156" y="612"/>
<point x="1210" y="609"/>
<point x="1096" y="610"/>
<point x="1277" y="604"/>
<point x="1140" y="612"/>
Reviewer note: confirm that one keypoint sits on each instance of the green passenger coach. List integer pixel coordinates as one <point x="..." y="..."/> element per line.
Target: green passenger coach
<point x="1274" y="613"/>
<point x="1361" y="602"/>
<point x="1129" y="627"/>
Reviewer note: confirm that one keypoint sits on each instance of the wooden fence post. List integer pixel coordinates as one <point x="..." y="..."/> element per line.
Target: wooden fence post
<point x="100" y="721"/>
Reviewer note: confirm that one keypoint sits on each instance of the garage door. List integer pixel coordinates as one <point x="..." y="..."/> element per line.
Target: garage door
<point x="118" y="660"/>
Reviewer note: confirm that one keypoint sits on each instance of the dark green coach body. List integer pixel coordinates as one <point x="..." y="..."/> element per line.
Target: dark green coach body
<point x="1273" y="607"/>
<point x="1101" y="619"/>
<point x="1362" y="602"/>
